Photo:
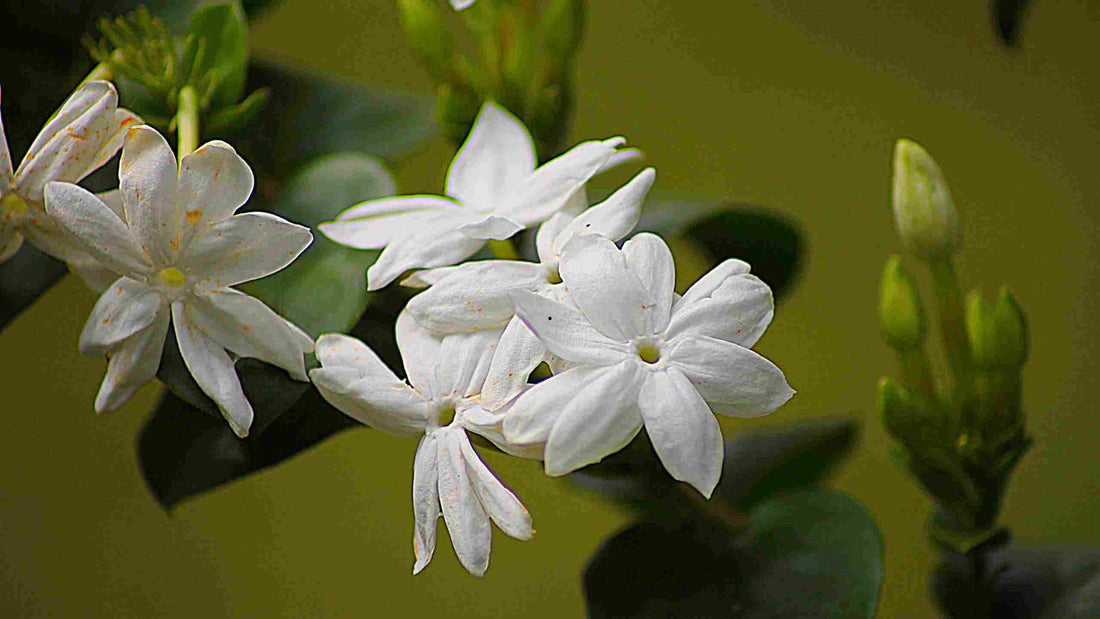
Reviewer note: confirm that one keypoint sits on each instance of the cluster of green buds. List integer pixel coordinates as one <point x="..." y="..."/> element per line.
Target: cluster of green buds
<point x="523" y="60"/>
<point x="962" y="435"/>
<point x="201" y="72"/>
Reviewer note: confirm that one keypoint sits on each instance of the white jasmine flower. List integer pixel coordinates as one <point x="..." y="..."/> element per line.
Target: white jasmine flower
<point x="475" y="295"/>
<point x="440" y="405"/>
<point x="86" y="132"/>
<point x="644" y="357"/>
<point x="179" y="248"/>
<point x="493" y="190"/>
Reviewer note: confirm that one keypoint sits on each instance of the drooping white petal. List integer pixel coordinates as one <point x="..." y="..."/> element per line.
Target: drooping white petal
<point x="119" y="124"/>
<point x="100" y="232"/>
<point x="536" y="411"/>
<point x="214" y="181"/>
<point x="428" y="277"/>
<point x="383" y="403"/>
<point x="497" y="155"/>
<point x="471" y="415"/>
<point x="132" y="363"/>
<point x="467" y="522"/>
<point x="681" y="427"/>
<point x="738" y="310"/>
<point x="545" y="244"/>
<point x="712" y="279"/>
<point x="492" y="227"/>
<point x="244" y="325"/>
<point x="733" y="380"/>
<point x="649" y="258"/>
<point x="213" y="370"/>
<point x="437" y="244"/>
<point x="147" y="178"/>
<point x="499" y="503"/>
<point x="518" y="353"/>
<point x="7" y="176"/>
<point x="376" y="223"/>
<point x="474" y="295"/>
<point x="602" y="419"/>
<point x="425" y="494"/>
<point x="126" y="308"/>
<point x="242" y="248"/>
<point x="419" y="350"/>
<point x="336" y="350"/>
<point x="608" y="293"/>
<point x="566" y="332"/>
<point x="616" y="216"/>
<point x="462" y="363"/>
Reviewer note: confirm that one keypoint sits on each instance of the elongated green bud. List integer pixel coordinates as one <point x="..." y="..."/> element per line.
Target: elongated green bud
<point x="901" y="314"/>
<point x="561" y="28"/>
<point x="998" y="335"/>
<point x="428" y="35"/>
<point x="923" y="209"/>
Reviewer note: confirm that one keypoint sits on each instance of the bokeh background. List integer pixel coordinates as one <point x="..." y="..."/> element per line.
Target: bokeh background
<point x="786" y="104"/>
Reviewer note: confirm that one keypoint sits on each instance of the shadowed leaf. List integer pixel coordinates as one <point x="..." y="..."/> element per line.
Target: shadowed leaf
<point x="23" y="278"/>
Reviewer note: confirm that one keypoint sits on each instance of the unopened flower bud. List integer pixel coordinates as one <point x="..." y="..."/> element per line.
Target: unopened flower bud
<point x="907" y="417"/>
<point x="560" y="30"/>
<point x="923" y="209"/>
<point x="428" y="35"/>
<point x="901" y="315"/>
<point x="998" y="335"/>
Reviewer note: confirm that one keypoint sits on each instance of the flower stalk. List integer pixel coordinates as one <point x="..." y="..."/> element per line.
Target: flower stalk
<point x="187" y="122"/>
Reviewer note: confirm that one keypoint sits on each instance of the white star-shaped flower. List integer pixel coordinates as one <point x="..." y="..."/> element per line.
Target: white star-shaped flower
<point x="440" y="405"/>
<point x="644" y="357"/>
<point x="179" y="248"/>
<point x="475" y="295"/>
<point x="493" y="191"/>
<point x="86" y="132"/>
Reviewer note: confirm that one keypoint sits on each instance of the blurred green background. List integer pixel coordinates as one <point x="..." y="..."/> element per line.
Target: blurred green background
<point x="786" y="104"/>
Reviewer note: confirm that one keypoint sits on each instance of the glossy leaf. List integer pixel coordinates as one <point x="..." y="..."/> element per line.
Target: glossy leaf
<point x="811" y="553"/>
<point x="325" y="289"/>
<point x="25" y="277"/>
<point x="223" y="29"/>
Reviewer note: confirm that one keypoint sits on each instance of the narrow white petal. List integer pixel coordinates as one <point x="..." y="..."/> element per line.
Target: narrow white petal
<point x="738" y="310"/>
<point x="213" y="370"/>
<point x="428" y="277"/>
<point x="242" y="248"/>
<point x="7" y="176"/>
<point x="214" y="181"/>
<point x="499" y="503"/>
<point x="425" y="494"/>
<point x="100" y="232"/>
<point x="616" y="216"/>
<point x="497" y="155"/>
<point x="119" y="124"/>
<point x="681" y="427"/>
<point x="650" y="259"/>
<point x="419" y="350"/>
<point x="132" y="363"/>
<point x="608" y="293"/>
<point x="536" y="411"/>
<point x="383" y="403"/>
<point x="547" y="189"/>
<point x="244" y="325"/>
<point x="437" y="245"/>
<point x="518" y="353"/>
<point x="336" y="350"/>
<point x="566" y="332"/>
<point x="472" y="416"/>
<point x="463" y="362"/>
<point x="127" y="307"/>
<point x="10" y="241"/>
<point x="545" y="241"/>
<point x="56" y="240"/>
<point x="376" y="223"/>
<point x="147" y="178"/>
<point x="474" y="295"/>
<point x="467" y="522"/>
<point x="113" y="200"/>
<point x="491" y="227"/>
<point x="733" y="380"/>
<point x="709" y="282"/>
<point x="602" y="419"/>
<point x="461" y="4"/>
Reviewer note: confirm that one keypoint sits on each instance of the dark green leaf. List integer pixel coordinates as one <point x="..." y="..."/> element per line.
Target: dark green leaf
<point x="24" y="278"/>
<point x="769" y="241"/>
<point x="1024" y="583"/>
<point x="223" y="29"/>
<point x="325" y="289"/>
<point x="811" y="553"/>
<point x="1008" y="16"/>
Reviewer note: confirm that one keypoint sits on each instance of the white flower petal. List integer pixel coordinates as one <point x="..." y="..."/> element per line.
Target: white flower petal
<point x="462" y="363"/>
<point x="566" y="332"/>
<point x="242" y="248"/>
<point x="336" y="350"/>
<point x="419" y="350"/>
<point x="126" y="308"/>
<point x="439" y="244"/>
<point x="244" y="325"/>
<point x="608" y="293"/>
<point x="471" y="415"/>
<point x="545" y="245"/>
<point x="383" y="403"/>
<point x="518" y="353"/>
<point x="461" y="4"/>
<point x="214" y="181"/>
<point x="10" y="241"/>
<point x="681" y="427"/>
<point x="548" y="188"/>
<point x="54" y="239"/>
<point x="709" y="282"/>
<point x="425" y="493"/>
<point x="491" y="227"/>
<point x="602" y="419"/>
<point x="474" y="295"/>
<point x="733" y="380"/>
<point x="497" y="155"/>
<point x="616" y="216"/>
<point x="147" y="178"/>
<point x="536" y="411"/>
<point x="213" y="370"/>
<point x="7" y="176"/>
<point x="738" y="311"/>
<point x="467" y="522"/>
<point x="499" y="503"/>
<point x="113" y="200"/>
<point x="100" y="232"/>
<point x="428" y="277"/>
<point x="650" y="259"/>
<point x="375" y="223"/>
<point x="132" y="363"/>
<point x="119" y="124"/>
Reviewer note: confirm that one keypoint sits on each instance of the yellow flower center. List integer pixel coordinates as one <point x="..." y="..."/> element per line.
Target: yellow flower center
<point x="13" y="205"/>
<point x="445" y="416"/>
<point x="649" y="353"/>
<point x="173" y="277"/>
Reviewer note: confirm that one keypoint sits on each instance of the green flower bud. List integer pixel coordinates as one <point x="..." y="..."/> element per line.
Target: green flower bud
<point x="428" y="35"/>
<point x="909" y="418"/>
<point x="560" y="30"/>
<point x="901" y="315"/>
<point x="998" y="335"/>
<point x="925" y="215"/>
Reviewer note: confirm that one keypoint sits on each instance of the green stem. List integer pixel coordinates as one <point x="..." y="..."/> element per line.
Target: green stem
<point x="187" y="125"/>
<point x="952" y="325"/>
<point x="504" y="250"/>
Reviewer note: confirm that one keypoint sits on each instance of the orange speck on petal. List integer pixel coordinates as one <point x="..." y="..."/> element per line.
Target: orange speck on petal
<point x="193" y="217"/>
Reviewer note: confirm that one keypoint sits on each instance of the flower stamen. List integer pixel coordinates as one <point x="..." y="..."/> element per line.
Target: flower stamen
<point x="173" y="277"/>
